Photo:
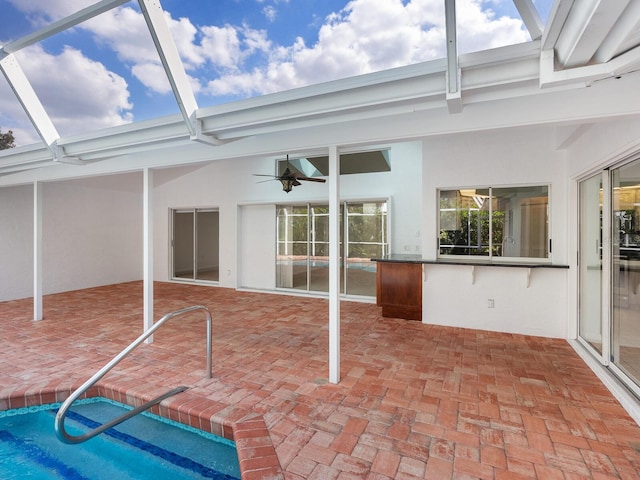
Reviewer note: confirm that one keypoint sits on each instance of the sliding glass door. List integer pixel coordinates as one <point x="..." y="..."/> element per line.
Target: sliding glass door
<point x="302" y="253"/>
<point x="195" y="244"/>
<point x="366" y="234"/>
<point x="625" y="269"/>
<point x="609" y="269"/>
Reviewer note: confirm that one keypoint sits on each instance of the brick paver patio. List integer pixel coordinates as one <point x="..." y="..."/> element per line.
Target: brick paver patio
<point x="414" y="401"/>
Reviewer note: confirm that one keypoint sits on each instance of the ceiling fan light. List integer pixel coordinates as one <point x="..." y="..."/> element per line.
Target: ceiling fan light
<point x="287" y="183"/>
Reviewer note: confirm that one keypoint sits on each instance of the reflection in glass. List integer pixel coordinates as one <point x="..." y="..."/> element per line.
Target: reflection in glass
<point x="207" y="257"/>
<point x="292" y="247"/>
<point x="495" y="222"/>
<point x="196" y="245"/>
<point x="626" y="269"/>
<point x="303" y="246"/>
<point x="183" y="245"/>
<point x="367" y="233"/>
<point x="319" y="248"/>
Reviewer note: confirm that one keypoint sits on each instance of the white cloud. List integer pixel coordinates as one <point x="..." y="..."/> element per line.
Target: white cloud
<point x="125" y="32"/>
<point x="41" y="12"/>
<point x="222" y="46"/>
<point x="239" y="60"/>
<point x="82" y="95"/>
<point x="367" y="36"/>
<point x="270" y="13"/>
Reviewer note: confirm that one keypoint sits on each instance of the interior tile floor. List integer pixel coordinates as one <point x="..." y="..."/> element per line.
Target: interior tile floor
<point x="414" y="401"/>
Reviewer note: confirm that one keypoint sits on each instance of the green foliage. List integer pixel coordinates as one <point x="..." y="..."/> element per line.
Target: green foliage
<point x="367" y="230"/>
<point x="472" y="235"/>
<point x="7" y="140"/>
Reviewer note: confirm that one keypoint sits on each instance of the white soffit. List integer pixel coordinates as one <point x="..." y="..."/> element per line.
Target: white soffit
<point x="589" y="40"/>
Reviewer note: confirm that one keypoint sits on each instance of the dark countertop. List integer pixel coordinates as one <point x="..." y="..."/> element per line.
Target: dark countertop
<point x="409" y="258"/>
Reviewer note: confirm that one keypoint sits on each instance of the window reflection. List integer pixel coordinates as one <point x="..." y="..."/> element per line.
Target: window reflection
<point x="495" y="222"/>
<point x="626" y="269"/>
<point x="303" y="246"/>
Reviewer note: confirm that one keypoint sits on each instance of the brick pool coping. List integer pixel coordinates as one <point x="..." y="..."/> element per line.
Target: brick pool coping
<point x="256" y="453"/>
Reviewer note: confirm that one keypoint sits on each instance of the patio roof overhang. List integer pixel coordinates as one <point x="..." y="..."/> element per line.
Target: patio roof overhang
<point x="538" y="82"/>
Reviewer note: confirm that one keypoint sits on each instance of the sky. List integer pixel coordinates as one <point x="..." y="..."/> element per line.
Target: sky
<point x="106" y="72"/>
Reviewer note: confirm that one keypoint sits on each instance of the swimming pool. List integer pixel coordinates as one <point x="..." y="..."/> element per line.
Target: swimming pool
<point x="144" y="447"/>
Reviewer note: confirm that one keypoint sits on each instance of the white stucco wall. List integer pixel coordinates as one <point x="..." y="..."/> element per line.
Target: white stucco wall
<point x="92" y="235"/>
<point x="231" y="186"/>
<point x="601" y="144"/>
<point x="16" y="242"/>
<point x="451" y="295"/>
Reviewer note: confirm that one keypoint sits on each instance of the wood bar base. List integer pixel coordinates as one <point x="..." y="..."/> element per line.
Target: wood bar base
<point x="399" y="289"/>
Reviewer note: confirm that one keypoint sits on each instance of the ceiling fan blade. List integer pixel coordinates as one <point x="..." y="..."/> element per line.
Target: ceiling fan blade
<point x="311" y="179"/>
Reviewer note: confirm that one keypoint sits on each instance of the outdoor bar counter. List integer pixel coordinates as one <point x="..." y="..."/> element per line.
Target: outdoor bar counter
<point x="399" y="280"/>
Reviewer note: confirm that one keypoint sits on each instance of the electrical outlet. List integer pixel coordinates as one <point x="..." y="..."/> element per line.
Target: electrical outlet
<point x="491" y="303"/>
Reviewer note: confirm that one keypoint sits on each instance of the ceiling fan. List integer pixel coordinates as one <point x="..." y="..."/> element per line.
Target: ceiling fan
<point x="291" y="179"/>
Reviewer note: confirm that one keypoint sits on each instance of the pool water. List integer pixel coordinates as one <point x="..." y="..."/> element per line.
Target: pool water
<point x="143" y="447"/>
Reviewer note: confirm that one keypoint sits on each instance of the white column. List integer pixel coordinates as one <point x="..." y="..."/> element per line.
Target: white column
<point x="147" y="234"/>
<point x="37" y="251"/>
<point x="334" y="265"/>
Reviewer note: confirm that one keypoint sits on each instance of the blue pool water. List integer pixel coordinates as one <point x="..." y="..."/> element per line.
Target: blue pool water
<point x="144" y="447"/>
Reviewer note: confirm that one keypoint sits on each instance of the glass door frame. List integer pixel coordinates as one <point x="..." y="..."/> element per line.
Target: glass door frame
<point x="606" y="258"/>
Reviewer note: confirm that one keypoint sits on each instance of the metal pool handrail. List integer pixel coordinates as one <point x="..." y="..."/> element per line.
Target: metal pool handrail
<point x="62" y="412"/>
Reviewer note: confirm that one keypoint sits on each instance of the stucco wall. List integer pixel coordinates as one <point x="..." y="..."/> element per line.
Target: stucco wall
<point x="231" y="186"/>
<point x="458" y="296"/>
<point x="16" y="242"/>
<point x="92" y="235"/>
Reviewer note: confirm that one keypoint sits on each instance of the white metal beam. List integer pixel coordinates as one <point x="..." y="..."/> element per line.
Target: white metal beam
<point x="34" y="109"/>
<point x="622" y="64"/>
<point x="334" y="265"/>
<point x="61" y="25"/>
<point x="626" y="24"/>
<point x="557" y="18"/>
<point x="452" y="77"/>
<point x="30" y="102"/>
<point x="530" y="17"/>
<point x="201" y="137"/>
<point x="170" y="58"/>
<point x="585" y="30"/>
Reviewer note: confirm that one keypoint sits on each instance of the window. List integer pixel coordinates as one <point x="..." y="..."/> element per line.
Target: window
<point x="350" y="163"/>
<point x="303" y="246"/>
<point x="495" y="222"/>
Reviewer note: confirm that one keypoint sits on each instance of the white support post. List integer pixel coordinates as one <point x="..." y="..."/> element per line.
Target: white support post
<point x="37" y="251"/>
<point x="453" y="80"/>
<point x="334" y="265"/>
<point x="147" y="235"/>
